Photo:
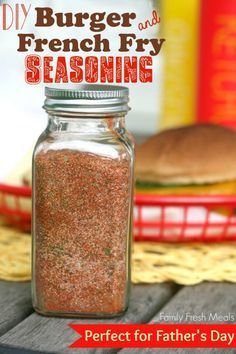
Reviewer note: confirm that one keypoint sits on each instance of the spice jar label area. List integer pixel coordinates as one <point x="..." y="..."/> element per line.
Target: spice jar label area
<point x="82" y="205"/>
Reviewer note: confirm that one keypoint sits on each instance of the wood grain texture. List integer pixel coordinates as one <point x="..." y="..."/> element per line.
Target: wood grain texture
<point x="53" y="335"/>
<point x="8" y="350"/>
<point x="205" y="298"/>
<point x="15" y="304"/>
<point x="178" y="351"/>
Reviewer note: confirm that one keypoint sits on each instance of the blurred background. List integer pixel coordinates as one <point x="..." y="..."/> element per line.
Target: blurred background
<point x="194" y="76"/>
<point x="194" y="81"/>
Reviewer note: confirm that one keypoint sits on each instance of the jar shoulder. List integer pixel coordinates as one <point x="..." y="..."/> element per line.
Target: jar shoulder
<point x="109" y="145"/>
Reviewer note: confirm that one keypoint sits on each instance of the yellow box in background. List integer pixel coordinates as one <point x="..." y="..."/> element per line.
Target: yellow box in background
<point x="179" y="23"/>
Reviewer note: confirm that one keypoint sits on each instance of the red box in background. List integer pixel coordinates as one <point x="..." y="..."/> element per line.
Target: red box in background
<point x="217" y="63"/>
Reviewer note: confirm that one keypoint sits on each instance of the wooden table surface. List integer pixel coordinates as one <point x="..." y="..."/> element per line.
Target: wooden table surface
<point x="22" y="331"/>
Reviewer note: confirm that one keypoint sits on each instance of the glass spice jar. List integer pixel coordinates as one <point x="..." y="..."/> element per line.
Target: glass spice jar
<point x="82" y="204"/>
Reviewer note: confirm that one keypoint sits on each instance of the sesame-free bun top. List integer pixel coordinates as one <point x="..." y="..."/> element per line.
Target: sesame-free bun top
<point x="195" y="154"/>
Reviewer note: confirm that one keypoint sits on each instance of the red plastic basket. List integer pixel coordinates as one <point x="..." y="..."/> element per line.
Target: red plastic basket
<point x="156" y="218"/>
<point x="15" y="206"/>
<point x="185" y="218"/>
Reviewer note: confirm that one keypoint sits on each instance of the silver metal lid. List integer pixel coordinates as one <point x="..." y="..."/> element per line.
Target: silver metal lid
<point x="93" y="99"/>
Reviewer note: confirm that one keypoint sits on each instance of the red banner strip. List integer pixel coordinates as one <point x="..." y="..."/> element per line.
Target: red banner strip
<point x="155" y="336"/>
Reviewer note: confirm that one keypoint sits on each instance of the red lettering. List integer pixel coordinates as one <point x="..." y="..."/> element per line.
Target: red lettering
<point x="4" y="12"/>
<point x="149" y="23"/>
<point x="47" y="69"/>
<point x="118" y="69"/>
<point x="76" y="75"/>
<point x="107" y="69"/>
<point x="33" y="72"/>
<point x="91" y="69"/>
<point x="145" y="74"/>
<point x="130" y="69"/>
<point x="61" y="71"/>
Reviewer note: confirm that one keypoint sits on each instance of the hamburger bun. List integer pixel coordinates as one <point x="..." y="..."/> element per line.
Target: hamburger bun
<point x="196" y="154"/>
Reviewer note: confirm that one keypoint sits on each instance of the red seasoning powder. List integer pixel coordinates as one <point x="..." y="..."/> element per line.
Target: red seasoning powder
<point x="81" y="212"/>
